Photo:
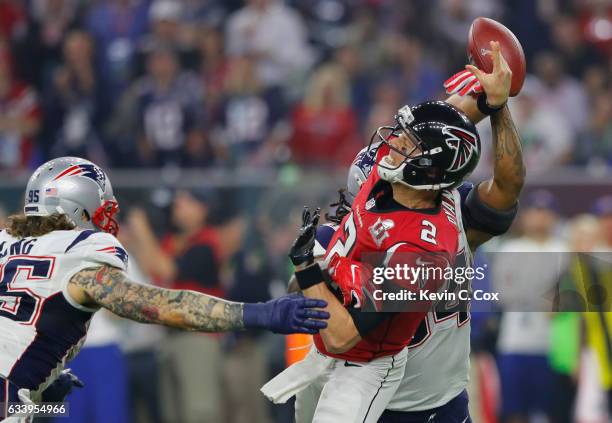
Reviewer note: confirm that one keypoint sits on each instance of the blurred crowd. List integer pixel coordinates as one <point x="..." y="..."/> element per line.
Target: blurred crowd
<point x="271" y="84"/>
<point x="262" y="83"/>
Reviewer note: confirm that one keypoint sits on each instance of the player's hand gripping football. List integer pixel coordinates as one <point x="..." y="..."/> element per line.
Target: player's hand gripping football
<point x="301" y="254"/>
<point x="496" y="84"/>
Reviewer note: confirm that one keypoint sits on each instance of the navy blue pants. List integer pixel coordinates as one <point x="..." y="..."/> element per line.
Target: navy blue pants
<point x="526" y="384"/>
<point x="454" y="411"/>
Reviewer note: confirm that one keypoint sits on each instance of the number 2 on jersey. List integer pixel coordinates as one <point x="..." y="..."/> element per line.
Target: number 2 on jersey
<point x="20" y="303"/>
<point x="428" y="232"/>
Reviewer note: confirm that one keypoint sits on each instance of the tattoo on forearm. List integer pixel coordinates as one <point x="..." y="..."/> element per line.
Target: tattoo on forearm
<point x="110" y="288"/>
<point x="506" y="140"/>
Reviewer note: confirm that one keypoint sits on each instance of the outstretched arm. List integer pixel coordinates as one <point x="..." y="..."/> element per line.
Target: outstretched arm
<point x="109" y="287"/>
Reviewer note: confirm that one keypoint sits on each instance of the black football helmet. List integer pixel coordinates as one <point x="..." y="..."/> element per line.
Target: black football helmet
<point x="447" y="146"/>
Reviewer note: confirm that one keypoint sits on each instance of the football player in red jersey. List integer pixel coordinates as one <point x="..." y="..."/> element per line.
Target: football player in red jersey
<point x="364" y="375"/>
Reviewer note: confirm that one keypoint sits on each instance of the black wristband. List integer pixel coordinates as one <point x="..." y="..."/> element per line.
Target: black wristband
<point x="484" y="107"/>
<point x="310" y="276"/>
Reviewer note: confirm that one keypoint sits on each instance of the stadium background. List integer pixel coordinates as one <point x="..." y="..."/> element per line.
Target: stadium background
<point x="252" y="109"/>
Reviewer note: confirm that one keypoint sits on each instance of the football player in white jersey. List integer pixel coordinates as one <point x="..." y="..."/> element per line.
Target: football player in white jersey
<point x="433" y="387"/>
<point x="60" y="262"/>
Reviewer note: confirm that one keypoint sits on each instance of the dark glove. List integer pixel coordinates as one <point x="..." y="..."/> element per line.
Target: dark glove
<point x="301" y="250"/>
<point x="289" y="314"/>
<point x="61" y="387"/>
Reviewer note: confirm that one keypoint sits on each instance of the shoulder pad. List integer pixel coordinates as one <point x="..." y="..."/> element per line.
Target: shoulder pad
<point x="99" y="247"/>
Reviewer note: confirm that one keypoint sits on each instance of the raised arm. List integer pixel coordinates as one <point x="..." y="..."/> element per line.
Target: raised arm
<point x="110" y="287"/>
<point x="502" y="190"/>
<point x="494" y="200"/>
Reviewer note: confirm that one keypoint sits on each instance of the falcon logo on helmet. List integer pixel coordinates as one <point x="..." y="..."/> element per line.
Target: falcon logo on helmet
<point x="464" y="144"/>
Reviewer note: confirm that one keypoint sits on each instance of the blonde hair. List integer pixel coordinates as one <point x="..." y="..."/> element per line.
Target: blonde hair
<point x="327" y="78"/>
<point x="21" y="226"/>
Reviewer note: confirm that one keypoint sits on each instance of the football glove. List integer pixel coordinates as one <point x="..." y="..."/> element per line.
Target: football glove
<point x="463" y="83"/>
<point x="61" y="387"/>
<point x="350" y="276"/>
<point x="289" y="314"/>
<point x="301" y="250"/>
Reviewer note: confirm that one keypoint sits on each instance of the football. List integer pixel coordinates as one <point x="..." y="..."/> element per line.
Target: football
<point x="482" y="32"/>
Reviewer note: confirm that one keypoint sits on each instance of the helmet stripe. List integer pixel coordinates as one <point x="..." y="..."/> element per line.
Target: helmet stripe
<point x="71" y="170"/>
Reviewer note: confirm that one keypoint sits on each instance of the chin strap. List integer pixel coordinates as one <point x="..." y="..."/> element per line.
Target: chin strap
<point x="396" y="175"/>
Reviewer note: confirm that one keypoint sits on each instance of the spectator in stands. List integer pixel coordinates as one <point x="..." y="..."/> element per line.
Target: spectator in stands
<point x="190" y="258"/>
<point x="574" y="52"/>
<point x="140" y="345"/>
<point x="40" y="52"/>
<point x="324" y="124"/>
<point x="354" y="62"/>
<point x="246" y="359"/>
<point x="594" y="146"/>
<point x="210" y="13"/>
<point x="76" y="104"/>
<point x="13" y="20"/>
<point x="116" y="26"/>
<point x="251" y="125"/>
<point x="524" y="272"/>
<point x="411" y="70"/>
<point x="166" y="27"/>
<point x="595" y="21"/>
<point x="275" y="35"/>
<point x="546" y="136"/>
<point x="327" y="22"/>
<point x="387" y="101"/>
<point x="561" y="91"/>
<point x="596" y="80"/>
<point x="20" y="116"/>
<point x="452" y="19"/>
<point x="214" y="68"/>
<point x="566" y="331"/>
<point x="169" y="108"/>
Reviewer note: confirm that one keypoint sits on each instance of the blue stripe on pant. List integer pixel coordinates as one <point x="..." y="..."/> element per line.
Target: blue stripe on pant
<point x="104" y="397"/>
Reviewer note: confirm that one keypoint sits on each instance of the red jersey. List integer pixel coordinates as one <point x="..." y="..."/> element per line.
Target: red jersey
<point x="379" y="224"/>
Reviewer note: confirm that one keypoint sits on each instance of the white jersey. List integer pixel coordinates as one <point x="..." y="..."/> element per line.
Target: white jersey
<point x="41" y="326"/>
<point x="438" y="361"/>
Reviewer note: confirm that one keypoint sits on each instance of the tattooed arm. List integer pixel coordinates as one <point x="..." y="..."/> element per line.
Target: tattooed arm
<point x="501" y="192"/>
<point x="503" y="189"/>
<point x="110" y="288"/>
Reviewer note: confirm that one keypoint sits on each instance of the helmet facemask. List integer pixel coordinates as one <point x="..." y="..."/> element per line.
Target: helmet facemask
<point x="104" y="217"/>
<point x="417" y="158"/>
